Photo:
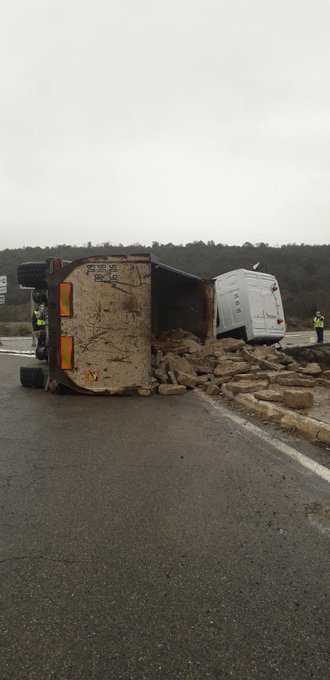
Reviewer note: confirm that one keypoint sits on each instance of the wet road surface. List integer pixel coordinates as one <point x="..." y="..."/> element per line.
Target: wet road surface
<point x="303" y="338"/>
<point x="152" y="538"/>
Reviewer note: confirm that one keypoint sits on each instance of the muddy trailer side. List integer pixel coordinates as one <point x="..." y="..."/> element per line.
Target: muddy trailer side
<point x="103" y="313"/>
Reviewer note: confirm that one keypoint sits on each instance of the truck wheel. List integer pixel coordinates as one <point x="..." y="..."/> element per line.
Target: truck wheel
<point x="31" y="274"/>
<point x="42" y="353"/>
<point x="31" y="376"/>
<point x="39" y="296"/>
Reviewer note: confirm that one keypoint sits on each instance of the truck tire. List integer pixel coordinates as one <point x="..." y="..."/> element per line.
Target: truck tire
<point x="42" y="353"/>
<point x="31" y="274"/>
<point x="39" y="296"/>
<point x="31" y="376"/>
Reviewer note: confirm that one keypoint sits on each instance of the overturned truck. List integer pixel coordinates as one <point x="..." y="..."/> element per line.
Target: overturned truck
<point x="101" y="315"/>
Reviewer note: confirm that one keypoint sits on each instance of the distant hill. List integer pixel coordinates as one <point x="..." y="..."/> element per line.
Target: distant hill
<point x="302" y="271"/>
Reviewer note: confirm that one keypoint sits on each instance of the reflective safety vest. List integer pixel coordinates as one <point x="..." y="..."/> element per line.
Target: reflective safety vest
<point x="318" y="321"/>
<point x="38" y="324"/>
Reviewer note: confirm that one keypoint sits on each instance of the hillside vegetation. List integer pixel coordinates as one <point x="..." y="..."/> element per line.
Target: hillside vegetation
<point x="303" y="271"/>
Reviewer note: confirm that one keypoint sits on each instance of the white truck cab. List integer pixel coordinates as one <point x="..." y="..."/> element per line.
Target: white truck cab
<point x="248" y="305"/>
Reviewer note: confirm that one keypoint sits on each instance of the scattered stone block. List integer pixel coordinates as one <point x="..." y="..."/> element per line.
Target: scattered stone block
<point x="308" y="426"/>
<point x="290" y="420"/>
<point x="171" y="390"/>
<point x="313" y="369"/>
<point x="324" y="433"/>
<point x="265" y="352"/>
<point x="273" y="377"/>
<point x="261" y="385"/>
<point x="247" y="376"/>
<point x="201" y="380"/>
<point x="171" y="346"/>
<point x="177" y="341"/>
<point x="269" y="395"/>
<point x="294" y="367"/>
<point x="192" y="345"/>
<point x="224" y="345"/>
<point x="245" y="386"/>
<point x="186" y="379"/>
<point x="248" y="355"/>
<point x="266" y="365"/>
<point x="269" y="410"/>
<point x="205" y="385"/>
<point x="212" y="389"/>
<point x="160" y="375"/>
<point x="247" y="400"/>
<point x="270" y="376"/>
<point x="229" y="368"/>
<point x="231" y="344"/>
<point x="197" y="357"/>
<point x="298" y="398"/>
<point x="222" y="380"/>
<point x="203" y="369"/>
<point x="292" y="380"/>
<point x="228" y="395"/>
<point x="175" y="363"/>
<point x="229" y="357"/>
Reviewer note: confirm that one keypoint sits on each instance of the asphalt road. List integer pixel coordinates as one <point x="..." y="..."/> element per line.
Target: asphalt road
<point x="303" y="338"/>
<point x="154" y="539"/>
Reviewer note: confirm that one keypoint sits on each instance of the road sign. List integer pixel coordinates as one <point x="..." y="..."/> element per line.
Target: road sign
<point x="3" y="289"/>
<point x="3" y="280"/>
<point x="2" y="299"/>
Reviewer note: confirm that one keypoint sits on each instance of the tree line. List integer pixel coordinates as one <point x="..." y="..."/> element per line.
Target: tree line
<point x="303" y="271"/>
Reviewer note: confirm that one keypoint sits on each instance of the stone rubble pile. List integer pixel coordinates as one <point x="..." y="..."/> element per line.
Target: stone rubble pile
<point x="232" y="367"/>
<point x="261" y="378"/>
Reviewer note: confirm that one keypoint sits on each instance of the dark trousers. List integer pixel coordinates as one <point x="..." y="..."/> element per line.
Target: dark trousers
<point x="319" y="333"/>
<point x="41" y="337"/>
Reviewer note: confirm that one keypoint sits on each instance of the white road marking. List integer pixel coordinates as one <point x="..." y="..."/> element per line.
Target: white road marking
<point x="15" y="353"/>
<point x="308" y="463"/>
<point x="22" y="338"/>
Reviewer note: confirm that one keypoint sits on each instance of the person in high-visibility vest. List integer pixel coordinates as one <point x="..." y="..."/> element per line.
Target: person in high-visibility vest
<point x="318" y="323"/>
<point x="39" y="324"/>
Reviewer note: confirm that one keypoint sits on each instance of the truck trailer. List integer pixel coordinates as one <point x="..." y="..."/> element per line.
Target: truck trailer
<point x="103" y="313"/>
<point x="101" y="316"/>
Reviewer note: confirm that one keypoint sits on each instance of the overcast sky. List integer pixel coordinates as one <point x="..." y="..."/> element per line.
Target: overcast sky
<point x="164" y="120"/>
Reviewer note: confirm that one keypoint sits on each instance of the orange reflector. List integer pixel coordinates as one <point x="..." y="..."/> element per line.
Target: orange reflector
<point x="66" y="352"/>
<point x="66" y="299"/>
